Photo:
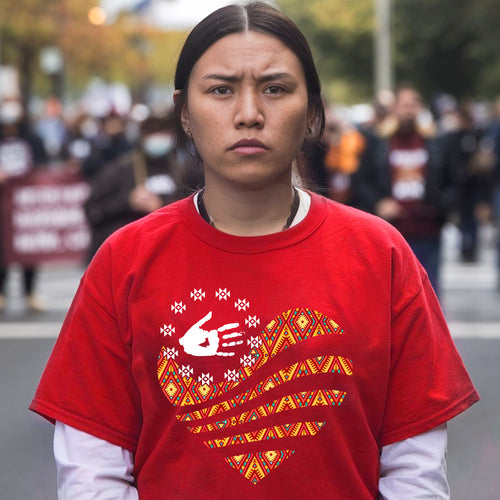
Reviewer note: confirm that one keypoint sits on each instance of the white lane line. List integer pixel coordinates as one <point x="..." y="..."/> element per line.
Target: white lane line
<point x="25" y="330"/>
<point x="472" y="278"/>
<point x="475" y="330"/>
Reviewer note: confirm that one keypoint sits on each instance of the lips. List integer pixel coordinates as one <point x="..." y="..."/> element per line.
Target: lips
<point x="248" y="146"/>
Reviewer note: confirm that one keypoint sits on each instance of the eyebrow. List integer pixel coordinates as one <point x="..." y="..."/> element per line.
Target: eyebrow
<point x="234" y="78"/>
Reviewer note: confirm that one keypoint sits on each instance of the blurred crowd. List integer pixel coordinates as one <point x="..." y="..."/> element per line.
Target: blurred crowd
<point x="129" y="161"/>
<point x="417" y="166"/>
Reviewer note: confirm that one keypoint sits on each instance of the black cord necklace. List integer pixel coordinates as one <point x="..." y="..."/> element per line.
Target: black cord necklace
<point x="293" y="212"/>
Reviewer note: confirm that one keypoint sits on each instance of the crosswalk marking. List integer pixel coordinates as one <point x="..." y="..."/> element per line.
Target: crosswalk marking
<point x="474" y="330"/>
<point x="457" y="276"/>
<point x="30" y="330"/>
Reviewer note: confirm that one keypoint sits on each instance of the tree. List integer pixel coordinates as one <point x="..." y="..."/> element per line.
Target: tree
<point x="448" y="46"/>
<point x="124" y="51"/>
<point x="341" y="38"/>
<point x="438" y="45"/>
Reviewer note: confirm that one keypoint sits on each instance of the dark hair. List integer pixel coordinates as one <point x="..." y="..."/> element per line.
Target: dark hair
<point x="259" y="17"/>
<point x="154" y="124"/>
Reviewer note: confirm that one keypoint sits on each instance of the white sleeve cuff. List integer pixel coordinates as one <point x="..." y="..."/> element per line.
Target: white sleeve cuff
<point x="89" y="468"/>
<point x="415" y="468"/>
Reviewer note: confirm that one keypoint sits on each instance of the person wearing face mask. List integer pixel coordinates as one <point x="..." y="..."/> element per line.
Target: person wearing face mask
<point x="136" y="184"/>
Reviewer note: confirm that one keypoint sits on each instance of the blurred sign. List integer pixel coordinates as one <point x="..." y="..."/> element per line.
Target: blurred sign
<point x="43" y="218"/>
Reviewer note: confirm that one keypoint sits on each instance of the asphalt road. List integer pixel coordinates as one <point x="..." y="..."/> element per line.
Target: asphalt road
<point x="471" y="303"/>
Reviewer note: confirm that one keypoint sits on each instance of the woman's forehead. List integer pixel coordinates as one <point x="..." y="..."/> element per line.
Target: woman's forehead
<point x="250" y="52"/>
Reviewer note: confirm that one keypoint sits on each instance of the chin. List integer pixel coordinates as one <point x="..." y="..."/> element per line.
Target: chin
<point x="260" y="178"/>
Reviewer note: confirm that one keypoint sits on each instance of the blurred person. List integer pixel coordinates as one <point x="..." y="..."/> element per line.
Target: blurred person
<point x="20" y="151"/>
<point x="52" y="130"/>
<point x="135" y="184"/>
<point x="336" y="157"/>
<point x="254" y="340"/>
<point x="345" y="144"/>
<point x="82" y="133"/>
<point x="465" y="153"/>
<point x="108" y="144"/>
<point x="492" y="147"/>
<point x="404" y="179"/>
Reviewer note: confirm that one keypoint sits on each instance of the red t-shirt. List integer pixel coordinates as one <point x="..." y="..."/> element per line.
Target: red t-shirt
<point x="255" y="367"/>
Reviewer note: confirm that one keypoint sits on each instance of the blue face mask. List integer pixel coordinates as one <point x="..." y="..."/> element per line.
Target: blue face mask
<point x="157" y="145"/>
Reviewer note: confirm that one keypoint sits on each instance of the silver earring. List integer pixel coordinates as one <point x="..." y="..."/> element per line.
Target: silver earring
<point x="188" y="132"/>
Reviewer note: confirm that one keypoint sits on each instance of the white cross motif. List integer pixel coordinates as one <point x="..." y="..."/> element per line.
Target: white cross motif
<point x="247" y="360"/>
<point x="254" y="342"/>
<point x="172" y="353"/>
<point x="178" y="307"/>
<point x="242" y="304"/>
<point x="167" y="330"/>
<point x="223" y="294"/>
<point x="232" y="375"/>
<point x="185" y="371"/>
<point x="252" y="321"/>
<point x="198" y="294"/>
<point x="205" y="379"/>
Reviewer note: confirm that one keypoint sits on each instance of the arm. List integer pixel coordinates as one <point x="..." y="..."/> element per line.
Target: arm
<point x="371" y="182"/>
<point x="415" y="468"/>
<point x="91" y="468"/>
<point x="109" y="196"/>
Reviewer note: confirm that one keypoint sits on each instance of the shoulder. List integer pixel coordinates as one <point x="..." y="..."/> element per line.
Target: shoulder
<point x="370" y="238"/>
<point x="132" y="248"/>
<point x="358" y="224"/>
<point x="159" y="222"/>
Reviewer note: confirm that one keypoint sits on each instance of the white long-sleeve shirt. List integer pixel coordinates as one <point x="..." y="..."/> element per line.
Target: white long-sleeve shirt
<point x="89" y="468"/>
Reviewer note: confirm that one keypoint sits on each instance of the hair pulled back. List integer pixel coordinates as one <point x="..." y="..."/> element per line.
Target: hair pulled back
<point x="258" y="17"/>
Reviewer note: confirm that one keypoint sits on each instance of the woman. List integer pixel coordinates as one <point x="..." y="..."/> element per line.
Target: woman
<point x="254" y="340"/>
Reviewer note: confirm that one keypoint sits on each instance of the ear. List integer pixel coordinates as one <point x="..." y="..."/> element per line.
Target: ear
<point x="310" y="119"/>
<point x="185" y="119"/>
<point x="179" y="99"/>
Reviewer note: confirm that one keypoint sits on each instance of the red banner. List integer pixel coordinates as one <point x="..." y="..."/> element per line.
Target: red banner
<point x="43" y="218"/>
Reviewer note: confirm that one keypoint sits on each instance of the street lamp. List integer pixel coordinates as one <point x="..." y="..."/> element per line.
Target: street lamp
<point x="382" y="35"/>
<point x="52" y="63"/>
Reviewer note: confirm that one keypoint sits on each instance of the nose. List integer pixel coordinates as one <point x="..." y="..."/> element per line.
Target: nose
<point x="248" y="110"/>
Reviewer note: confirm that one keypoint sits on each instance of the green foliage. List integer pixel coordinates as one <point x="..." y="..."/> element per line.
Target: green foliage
<point x="447" y="45"/>
<point x="438" y="45"/>
<point x="341" y="38"/>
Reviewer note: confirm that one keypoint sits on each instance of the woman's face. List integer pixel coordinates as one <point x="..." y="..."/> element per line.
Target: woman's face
<point x="247" y="110"/>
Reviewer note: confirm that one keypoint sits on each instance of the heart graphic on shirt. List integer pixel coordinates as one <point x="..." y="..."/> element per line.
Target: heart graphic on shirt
<point x="186" y="391"/>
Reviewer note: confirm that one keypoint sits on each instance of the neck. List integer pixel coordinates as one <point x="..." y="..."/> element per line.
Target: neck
<point x="249" y="212"/>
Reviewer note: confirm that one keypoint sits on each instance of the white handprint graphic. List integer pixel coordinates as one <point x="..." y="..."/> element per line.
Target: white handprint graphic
<point x="196" y="336"/>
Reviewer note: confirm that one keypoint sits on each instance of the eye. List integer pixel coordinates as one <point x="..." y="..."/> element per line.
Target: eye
<point x="221" y="90"/>
<point x="275" y="89"/>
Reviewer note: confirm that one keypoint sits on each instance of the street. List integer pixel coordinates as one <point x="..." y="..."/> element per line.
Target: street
<point x="471" y="303"/>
